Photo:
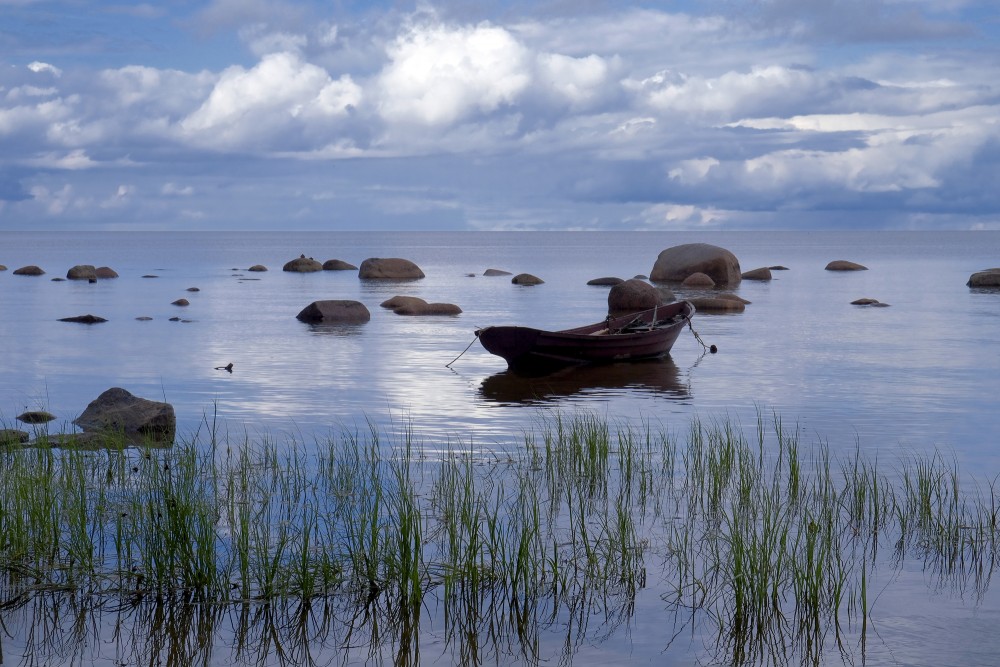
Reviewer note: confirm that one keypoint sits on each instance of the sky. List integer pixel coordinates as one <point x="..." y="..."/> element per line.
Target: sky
<point x="499" y="115"/>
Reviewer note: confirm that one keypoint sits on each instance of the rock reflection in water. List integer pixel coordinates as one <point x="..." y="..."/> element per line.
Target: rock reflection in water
<point x="658" y="376"/>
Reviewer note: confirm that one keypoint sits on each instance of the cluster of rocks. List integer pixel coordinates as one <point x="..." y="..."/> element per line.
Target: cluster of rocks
<point x="116" y="416"/>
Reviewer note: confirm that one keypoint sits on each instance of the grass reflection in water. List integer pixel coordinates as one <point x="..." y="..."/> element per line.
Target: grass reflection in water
<point x="363" y="550"/>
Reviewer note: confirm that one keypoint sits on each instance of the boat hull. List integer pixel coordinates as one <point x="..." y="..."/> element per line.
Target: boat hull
<point x="629" y="337"/>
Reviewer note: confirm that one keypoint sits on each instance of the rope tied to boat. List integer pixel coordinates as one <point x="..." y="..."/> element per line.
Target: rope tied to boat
<point x="448" y="365"/>
<point x="708" y="348"/>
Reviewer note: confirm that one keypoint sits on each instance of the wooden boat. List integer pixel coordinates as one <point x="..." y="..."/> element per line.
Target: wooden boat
<point x="642" y="335"/>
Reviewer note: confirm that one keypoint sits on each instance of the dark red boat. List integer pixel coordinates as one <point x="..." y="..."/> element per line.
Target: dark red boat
<point x="642" y="335"/>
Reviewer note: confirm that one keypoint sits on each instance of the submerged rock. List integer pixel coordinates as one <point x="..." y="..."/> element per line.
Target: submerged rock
<point x="331" y="311"/>
<point x="844" y="265"/>
<point x="83" y="319"/>
<point x="698" y="279"/>
<point x="762" y="273"/>
<point x="338" y="265"/>
<point x="717" y="305"/>
<point x="13" y="436"/>
<point x="412" y="305"/>
<point x="607" y="281"/>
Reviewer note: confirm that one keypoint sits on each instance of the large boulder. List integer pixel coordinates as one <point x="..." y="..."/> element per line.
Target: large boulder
<point x="302" y="264"/>
<point x="844" y="265"/>
<point x="389" y="268"/>
<point x="118" y="411"/>
<point x="106" y="273"/>
<point x="677" y="263"/>
<point x="333" y="311"/>
<point x="632" y="295"/>
<point x="987" y="278"/>
<point x="30" y="270"/>
<point x="82" y="272"/>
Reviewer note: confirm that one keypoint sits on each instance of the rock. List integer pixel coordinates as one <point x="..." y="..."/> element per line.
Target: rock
<point x="632" y="295"/>
<point x="118" y="411"/>
<point x="607" y="281"/>
<point x="302" y="264"/>
<point x="844" y="265"/>
<point x="150" y="275"/>
<point x="257" y="268"/>
<point x="762" y="273"/>
<point x="677" y="263"/>
<point x="330" y="311"/>
<point x="864" y="302"/>
<point x="180" y="302"/>
<point x="35" y="417"/>
<point x="338" y="265"/>
<point x="526" y="279"/>
<point x="717" y="305"/>
<point x="400" y="301"/>
<point x="82" y="272"/>
<point x="144" y="318"/>
<point x="58" y="280"/>
<point x="12" y="436"/>
<point x="733" y="297"/>
<point x="106" y="273"/>
<point x="2" y="267"/>
<point x="30" y="270"/>
<point x="987" y="278"/>
<point x="496" y="272"/>
<point x="412" y="305"/>
<point x="87" y="440"/>
<point x="698" y="279"/>
<point x="193" y="289"/>
<point x="391" y="268"/>
<point x="83" y="319"/>
<point x="641" y="276"/>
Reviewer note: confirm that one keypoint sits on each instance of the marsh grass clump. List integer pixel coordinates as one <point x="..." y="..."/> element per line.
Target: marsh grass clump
<point x="762" y="546"/>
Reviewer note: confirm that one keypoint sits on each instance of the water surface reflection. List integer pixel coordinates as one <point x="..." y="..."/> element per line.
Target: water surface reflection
<point x="659" y="377"/>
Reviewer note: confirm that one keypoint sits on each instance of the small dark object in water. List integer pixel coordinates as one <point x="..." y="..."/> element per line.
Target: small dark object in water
<point x="713" y="349"/>
<point x="84" y="319"/>
<point x="228" y="367"/>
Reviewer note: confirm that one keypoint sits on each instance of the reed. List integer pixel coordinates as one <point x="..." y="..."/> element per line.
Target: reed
<point x="766" y="544"/>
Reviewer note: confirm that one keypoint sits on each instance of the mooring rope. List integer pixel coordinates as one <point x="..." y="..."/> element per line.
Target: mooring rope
<point x="448" y="365"/>
<point x="710" y="348"/>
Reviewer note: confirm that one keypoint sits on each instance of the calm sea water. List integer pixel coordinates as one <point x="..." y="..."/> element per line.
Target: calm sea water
<point x="920" y="375"/>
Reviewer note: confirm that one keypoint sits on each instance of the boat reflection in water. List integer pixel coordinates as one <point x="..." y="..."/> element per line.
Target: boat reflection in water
<point x="655" y="376"/>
